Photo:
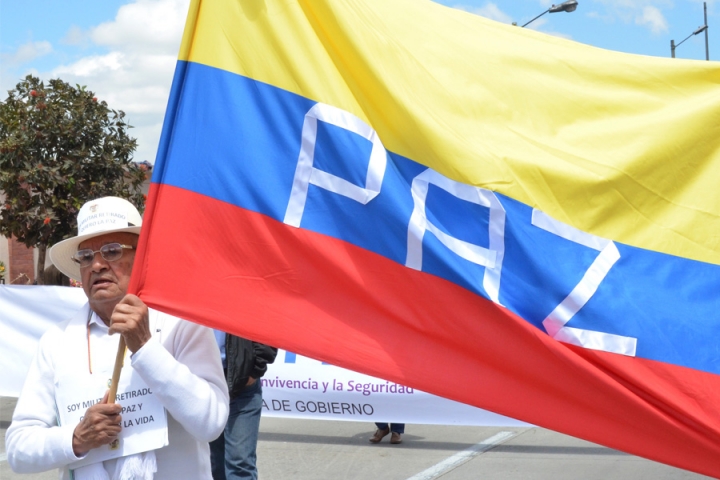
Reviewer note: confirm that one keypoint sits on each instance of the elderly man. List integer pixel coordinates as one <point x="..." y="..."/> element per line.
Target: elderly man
<point x="177" y="362"/>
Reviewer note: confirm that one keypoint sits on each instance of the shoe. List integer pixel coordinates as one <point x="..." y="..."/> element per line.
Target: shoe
<point x="395" y="438"/>
<point x="379" y="435"/>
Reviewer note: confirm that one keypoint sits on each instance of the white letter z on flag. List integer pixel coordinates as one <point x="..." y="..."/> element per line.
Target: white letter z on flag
<point x="555" y="322"/>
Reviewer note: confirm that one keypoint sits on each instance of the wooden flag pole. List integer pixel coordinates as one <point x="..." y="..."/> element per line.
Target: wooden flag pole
<point x="119" y="359"/>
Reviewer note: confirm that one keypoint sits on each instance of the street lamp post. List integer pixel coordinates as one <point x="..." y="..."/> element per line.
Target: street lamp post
<point x="673" y="46"/>
<point x="707" y="50"/>
<point x="568" y="6"/>
<point x="703" y="28"/>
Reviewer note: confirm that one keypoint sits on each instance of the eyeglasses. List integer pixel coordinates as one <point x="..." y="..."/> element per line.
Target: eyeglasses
<point x="110" y="252"/>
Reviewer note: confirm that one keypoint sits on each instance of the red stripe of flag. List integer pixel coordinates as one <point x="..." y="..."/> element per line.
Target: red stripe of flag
<point x="248" y="274"/>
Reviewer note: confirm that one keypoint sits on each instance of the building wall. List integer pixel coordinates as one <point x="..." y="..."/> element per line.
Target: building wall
<point x="22" y="264"/>
<point x="4" y="256"/>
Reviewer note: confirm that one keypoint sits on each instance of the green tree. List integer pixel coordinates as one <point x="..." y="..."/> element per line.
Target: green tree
<point x="59" y="147"/>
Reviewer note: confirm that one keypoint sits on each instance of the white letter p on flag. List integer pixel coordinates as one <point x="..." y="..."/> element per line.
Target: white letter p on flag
<point x="306" y="174"/>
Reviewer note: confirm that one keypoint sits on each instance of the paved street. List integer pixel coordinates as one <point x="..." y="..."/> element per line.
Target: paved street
<point x="319" y="450"/>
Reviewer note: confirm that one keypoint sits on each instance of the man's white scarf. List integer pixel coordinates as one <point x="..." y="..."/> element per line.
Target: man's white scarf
<point x="141" y="466"/>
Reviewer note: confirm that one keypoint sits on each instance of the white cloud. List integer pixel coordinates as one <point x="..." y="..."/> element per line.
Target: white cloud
<point x="89" y="67"/>
<point x="627" y="10"/>
<point x="136" y="74"/>
<point x="27" y="52"/>
<point x="652" y="18"/>
<point x="489" y="10"/>
<point x="647" y="13"/>
<point x="634" y="4"/>
<point x="74" y="36"/>
<point x="146" y="25"/>
<point x="599" y="16"/>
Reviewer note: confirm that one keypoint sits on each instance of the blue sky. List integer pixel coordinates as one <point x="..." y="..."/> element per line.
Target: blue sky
<point x="125" y="51"/>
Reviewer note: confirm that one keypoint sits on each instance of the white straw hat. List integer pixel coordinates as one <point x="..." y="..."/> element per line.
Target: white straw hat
<point x="95" y="218"/>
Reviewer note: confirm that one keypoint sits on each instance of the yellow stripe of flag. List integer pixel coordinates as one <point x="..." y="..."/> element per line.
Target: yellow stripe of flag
<point x="622" y="146"/>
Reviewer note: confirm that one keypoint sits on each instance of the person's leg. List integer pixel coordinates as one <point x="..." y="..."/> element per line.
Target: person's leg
<point x="382" y="430"/>
<point x="217" y="457"/>
<point x="397" y="430"/>
<point x="241" y="434"/>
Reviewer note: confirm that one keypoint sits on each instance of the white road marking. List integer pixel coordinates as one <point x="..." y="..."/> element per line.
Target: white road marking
<point x="462" y="457"/>
<point x="3" y="457"/>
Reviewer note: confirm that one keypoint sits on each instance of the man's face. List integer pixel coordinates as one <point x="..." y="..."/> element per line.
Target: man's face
<point x="105" y="281"/>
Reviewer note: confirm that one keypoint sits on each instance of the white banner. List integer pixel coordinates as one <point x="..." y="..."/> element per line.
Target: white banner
<point x="25" y="313"/>
<point x="300" y="387"/>
<point x="294" y="386"/>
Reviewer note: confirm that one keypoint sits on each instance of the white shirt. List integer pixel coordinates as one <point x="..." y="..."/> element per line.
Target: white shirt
<point x="180" y="363"/>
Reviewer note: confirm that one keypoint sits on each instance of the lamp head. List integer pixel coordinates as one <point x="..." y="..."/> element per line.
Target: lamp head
<point x="568" y="6"/>
<point x="700" y="29"/>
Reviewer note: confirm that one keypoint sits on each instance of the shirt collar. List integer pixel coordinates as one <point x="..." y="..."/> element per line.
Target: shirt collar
<point x="97" y="321"/>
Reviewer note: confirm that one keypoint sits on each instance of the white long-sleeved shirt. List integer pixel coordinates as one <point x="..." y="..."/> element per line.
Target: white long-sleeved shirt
<point x="180" y="364"/>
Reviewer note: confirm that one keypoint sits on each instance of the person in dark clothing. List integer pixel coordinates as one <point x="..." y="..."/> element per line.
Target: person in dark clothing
<point x="233" y="454"/>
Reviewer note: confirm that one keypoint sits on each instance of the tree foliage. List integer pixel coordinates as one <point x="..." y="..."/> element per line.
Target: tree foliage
<point x="59" y="147"/>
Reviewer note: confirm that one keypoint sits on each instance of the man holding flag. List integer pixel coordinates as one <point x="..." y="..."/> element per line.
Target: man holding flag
<point x="172" y="388"/>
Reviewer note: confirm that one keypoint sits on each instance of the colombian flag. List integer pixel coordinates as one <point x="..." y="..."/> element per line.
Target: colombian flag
<point x="487" y="213"/>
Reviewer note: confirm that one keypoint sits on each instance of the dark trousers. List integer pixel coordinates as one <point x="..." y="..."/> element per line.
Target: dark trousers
<point x="233" y="455"/>
<point x="394" y="427"/>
